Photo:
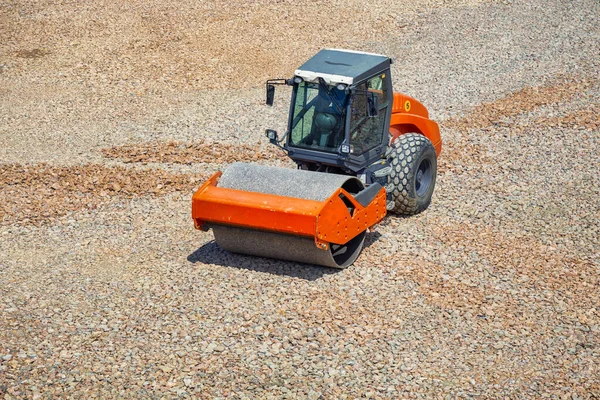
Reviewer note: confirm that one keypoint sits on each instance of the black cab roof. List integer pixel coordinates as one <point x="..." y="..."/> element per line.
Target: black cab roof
<point x="343" y="66"/>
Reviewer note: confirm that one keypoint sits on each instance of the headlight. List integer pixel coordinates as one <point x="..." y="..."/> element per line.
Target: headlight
<point x="345" y="149"/>
<point x="271" y="134"/>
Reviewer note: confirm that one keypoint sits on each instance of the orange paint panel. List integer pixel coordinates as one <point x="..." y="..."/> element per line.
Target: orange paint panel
<point x="410" y="115"/>
<point x="403" y="123"/>
<point x="336" y="225"/>
<point x="255" y="210"/>
<point x="415" y="106"/>
<point x="328" y="222"/>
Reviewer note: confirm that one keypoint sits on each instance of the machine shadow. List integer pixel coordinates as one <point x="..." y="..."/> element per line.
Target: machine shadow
<point x="371" y="238"/>
<point x="211" y="253"/>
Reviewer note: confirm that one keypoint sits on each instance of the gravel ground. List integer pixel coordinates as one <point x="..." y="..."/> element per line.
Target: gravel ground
<point x="112" y="113"/>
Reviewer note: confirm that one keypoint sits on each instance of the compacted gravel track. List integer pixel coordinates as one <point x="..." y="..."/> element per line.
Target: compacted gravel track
<point x="112" y="113"/>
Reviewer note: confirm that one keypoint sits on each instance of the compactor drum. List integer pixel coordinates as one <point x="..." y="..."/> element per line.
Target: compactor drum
<point x="361" y="150"/>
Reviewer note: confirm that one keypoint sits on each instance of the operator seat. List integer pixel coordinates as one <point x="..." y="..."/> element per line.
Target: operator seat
<point x="325" y="124"/>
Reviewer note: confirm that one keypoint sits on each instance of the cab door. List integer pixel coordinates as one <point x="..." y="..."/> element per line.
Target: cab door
<point x="367" y="134"/>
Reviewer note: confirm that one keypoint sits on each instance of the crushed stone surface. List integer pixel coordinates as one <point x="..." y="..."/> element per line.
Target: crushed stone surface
<point x="204" y="151"/>
<point x="113" y="113"/>
<point x="38" y="193"/>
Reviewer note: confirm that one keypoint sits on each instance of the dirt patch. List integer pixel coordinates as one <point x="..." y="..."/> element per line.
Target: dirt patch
<point x="40" y="193"/>
<point x="527" y="99"/>
<point x="588" y="118"/>
<point x="34" y="53"/>
<point x="205" y="151"/>
<point x="462" y="156"/>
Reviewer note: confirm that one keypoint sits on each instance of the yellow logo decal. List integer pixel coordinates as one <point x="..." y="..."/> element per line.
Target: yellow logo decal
<point x="407" y="105"/>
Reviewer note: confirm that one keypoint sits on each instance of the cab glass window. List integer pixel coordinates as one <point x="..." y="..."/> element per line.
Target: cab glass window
<point x="318" y="117"/>
<point x="367" y="132"/>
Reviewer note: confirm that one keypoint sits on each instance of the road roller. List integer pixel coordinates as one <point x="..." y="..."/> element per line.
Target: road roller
<point x="361" y="150"/>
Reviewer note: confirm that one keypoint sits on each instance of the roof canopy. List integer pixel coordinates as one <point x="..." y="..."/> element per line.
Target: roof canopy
<point x="342" y="66"/>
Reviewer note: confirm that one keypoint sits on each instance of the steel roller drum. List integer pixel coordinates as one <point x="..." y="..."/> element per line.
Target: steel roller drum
<point x="290" y="183"/>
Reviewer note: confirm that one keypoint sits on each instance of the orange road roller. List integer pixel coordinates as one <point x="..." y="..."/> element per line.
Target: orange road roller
<point x="361" y="150"/>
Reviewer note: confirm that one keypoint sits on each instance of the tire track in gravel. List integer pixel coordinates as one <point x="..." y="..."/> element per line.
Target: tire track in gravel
<point x="37" y="194"/>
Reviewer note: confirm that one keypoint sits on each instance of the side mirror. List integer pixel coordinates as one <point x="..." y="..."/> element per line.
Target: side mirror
<point x="270" y="94"/>
<point x="272" y="135"/>
<point x="372" y="104"/>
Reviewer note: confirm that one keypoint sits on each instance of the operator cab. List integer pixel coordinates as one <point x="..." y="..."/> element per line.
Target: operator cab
<point x="340" y="108"/>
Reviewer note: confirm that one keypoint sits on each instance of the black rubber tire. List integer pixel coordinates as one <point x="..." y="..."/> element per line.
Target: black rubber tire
<point x="414" y="170"/>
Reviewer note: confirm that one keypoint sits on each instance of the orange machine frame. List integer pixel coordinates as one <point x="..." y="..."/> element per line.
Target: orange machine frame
<point x="409" y="115"/>
<point x="328" y="222"/>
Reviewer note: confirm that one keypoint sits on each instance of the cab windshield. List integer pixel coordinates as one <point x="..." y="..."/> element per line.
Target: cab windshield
<point x="319" y="114"/>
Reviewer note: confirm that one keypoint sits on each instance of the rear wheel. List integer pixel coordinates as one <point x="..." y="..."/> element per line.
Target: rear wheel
<point x="414" y="169"/>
